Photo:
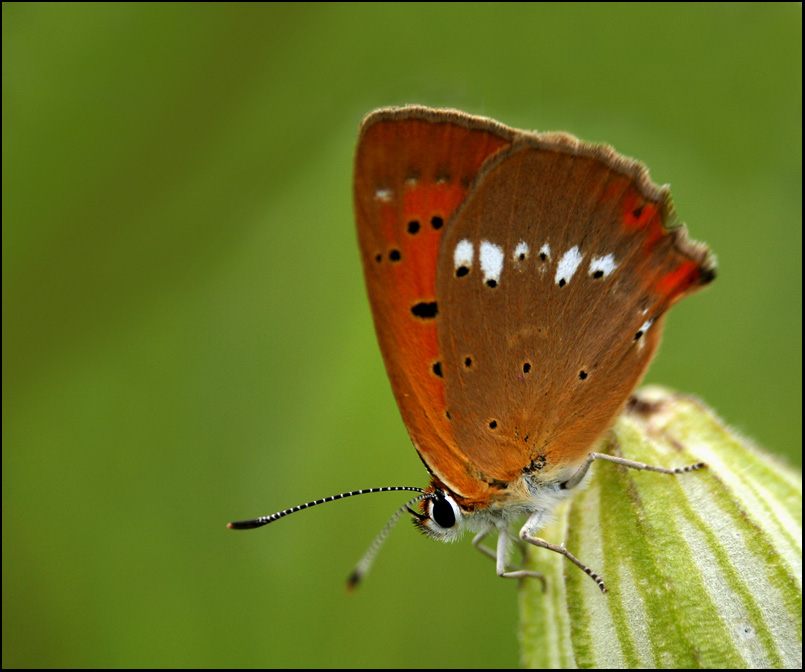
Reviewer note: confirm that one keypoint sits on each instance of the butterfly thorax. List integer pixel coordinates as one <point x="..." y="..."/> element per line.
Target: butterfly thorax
<point x="445" y="515"/>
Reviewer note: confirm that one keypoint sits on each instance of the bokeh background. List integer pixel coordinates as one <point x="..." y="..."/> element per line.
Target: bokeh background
<point x="186" y="337"/>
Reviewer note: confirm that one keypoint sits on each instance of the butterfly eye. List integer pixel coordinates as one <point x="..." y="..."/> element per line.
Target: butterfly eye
<point x="442" y="512"/>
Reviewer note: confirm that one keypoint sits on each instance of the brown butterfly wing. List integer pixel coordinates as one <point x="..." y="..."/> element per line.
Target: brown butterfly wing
<point x="543" y="334"/>
<point x="413" y="167"/>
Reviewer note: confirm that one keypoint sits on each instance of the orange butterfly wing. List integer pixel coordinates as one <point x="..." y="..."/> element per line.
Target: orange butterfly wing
<point x="542" y="349"/>
<point x="541" y="388"/>
<point x="413" y="168"/>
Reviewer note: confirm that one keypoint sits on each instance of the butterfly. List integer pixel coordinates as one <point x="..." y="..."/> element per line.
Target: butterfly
<point x="518" y="283"/>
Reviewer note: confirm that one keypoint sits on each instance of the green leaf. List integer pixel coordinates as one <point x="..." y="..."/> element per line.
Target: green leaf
<point x="704" y="569"/>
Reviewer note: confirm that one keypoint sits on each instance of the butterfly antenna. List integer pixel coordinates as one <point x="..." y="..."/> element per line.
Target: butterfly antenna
<point x="265" y="520"/>
<point x="362" y="568"/>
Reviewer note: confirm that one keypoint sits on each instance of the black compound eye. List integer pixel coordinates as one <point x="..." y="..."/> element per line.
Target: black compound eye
<point x="442" y="513"/>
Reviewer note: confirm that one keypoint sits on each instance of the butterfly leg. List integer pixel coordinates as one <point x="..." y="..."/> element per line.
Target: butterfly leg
<point x="488" y="552"/>
<point x="576" y="478"/>
<point x="476" y="541"/>
<point x="526" y="535"/>
<point x="500" y="559"/>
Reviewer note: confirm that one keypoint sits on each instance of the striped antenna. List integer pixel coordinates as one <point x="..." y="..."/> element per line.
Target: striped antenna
<point x="362" y="568"/>
<point x="265" y="520"/>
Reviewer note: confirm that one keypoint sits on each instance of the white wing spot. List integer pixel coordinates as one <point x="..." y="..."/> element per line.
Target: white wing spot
<point x="521" y="251"/>
<point x="491" y="256"/>
<point x="462" y="255"/>
<point x="603" y="265"/>
<point x="642" y="332"/>
<point x="567" y="266"/>
<point x="383" y="195"/>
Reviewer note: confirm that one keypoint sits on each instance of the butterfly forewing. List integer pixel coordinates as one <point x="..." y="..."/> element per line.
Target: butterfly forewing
<point x="413" y="168"/>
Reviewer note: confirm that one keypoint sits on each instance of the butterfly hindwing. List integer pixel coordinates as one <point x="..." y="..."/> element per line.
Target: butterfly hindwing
<point x="554" y="280"/>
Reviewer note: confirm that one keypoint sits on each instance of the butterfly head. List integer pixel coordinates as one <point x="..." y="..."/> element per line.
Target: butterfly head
<point x="440" y="515"/>
<point x="443" y="514"/>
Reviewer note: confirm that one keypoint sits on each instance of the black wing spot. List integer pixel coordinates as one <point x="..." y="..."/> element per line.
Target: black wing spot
<point x="425" y="310"/>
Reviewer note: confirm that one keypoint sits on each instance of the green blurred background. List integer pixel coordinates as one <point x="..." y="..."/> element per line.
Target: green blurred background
<point x="186" y="337"/>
